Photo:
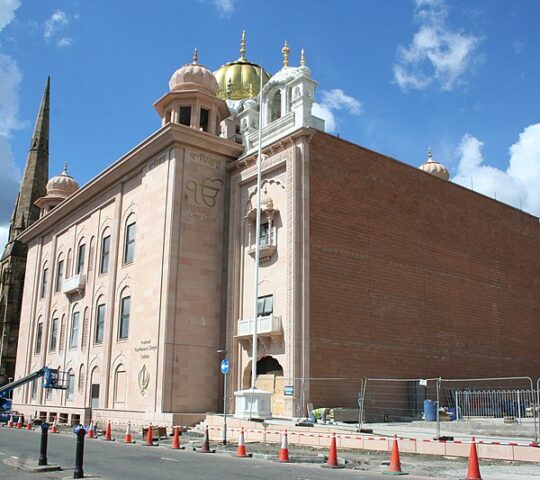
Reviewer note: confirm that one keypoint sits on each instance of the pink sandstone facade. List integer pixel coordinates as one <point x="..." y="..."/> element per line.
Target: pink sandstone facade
<point x="368" y="266"/>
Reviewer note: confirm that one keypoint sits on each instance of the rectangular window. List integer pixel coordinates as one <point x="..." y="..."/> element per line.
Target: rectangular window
<point x="265" y="306"/>
<point x="48" y="393"/>
<point x="264" y="237"/>
<point x="129" y="249"/>
<point x="105" y="250"/>
<point x="185" y="116"/>
<point x="205" y="114"/>
<point x="124" y="317"/>
<point x="74" y="334"/>
<point x="39" y="334"/>
<point x="71" y="386"/>
<point x="80" y="258"/>
<point x="44" y="279"/>
<point x="100" y="321"/>
<point x="54" y="334"/>
<point x="33" y="390"/>
<point x="59" y="276"/>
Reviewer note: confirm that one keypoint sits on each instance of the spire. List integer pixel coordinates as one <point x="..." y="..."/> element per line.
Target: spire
<point x="195" y="57"/>
<point x="243" y="47"/>
<point x="430" y="156"/>
<point x="285" y="50"/>
<point x="302" y="58"/>
<point x="36" y="172"/>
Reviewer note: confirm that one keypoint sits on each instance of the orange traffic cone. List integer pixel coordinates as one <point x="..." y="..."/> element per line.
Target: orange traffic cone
<point x="29" y="424"/>
<point x="284" y="450"/>
<point x="241" y="449"/>
<point x="127" y="436"/>
<point x="149" y="436"/>
<point x="473" y="473"/>
<point x="332" y="455"/>
<point x="395" y="462"/>
<point x="90" y="430"/>
<point x="205" y="447"/>
<point x="108" y="432"/>
<point x="19" y="422"/>
<point x="176" y="438"/>
<point x="54" y="428"/>
<point x="10" y="422"/>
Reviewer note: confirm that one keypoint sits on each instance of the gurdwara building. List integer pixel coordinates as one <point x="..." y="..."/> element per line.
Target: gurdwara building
<point x="367" y="266"/>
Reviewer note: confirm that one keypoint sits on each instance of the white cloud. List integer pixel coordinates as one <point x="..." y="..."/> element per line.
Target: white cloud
<point x="54" y="24"/>
<point x="4" y="232"/>
<point x="10" y="79"/>
<point x="7" y="11"/>
<point x="64" y="42"/>
<point x="333" y="100"/>
<point x="436" y="54"/>
<point x="518" y="184"/>
<point x="224" y="7"/>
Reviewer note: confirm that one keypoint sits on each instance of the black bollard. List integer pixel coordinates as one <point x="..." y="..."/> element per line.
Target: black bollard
<point x="43" y="449"/>
<point x="80" y="431"/>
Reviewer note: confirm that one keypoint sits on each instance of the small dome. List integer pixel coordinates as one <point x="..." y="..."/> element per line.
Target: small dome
<point x="435" y="168"/>
<point x="241" y="78"/>
<point x="62" y="185"/>
<point x="192" y="76"/>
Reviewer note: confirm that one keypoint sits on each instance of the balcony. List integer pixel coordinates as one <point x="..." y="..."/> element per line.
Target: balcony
<point x="74" y="284"/>
<point x="269" y="329"/>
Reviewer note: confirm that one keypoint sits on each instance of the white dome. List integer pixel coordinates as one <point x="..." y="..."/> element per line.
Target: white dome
<point x="192" y="76"/>
<point x="62" y="185"/>
<point x="434" y="168"/>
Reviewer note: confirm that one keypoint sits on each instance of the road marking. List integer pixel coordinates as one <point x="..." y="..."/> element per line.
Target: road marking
<point x="170" y="459"/>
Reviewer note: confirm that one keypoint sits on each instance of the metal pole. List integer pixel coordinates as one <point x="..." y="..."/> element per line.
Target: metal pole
<point x="257" y="247"/>
<point x="438" y="433"/>
<point x="225" y="409"/>
<point x="518" y="405"/>
<point x="79" y="453"/>
<point x="43" y="448"/>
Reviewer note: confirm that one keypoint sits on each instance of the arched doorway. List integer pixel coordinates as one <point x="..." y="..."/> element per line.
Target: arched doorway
<point x="269" y="378"/>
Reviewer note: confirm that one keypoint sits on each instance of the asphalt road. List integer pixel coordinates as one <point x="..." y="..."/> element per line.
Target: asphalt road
<point x="116" y="460"/>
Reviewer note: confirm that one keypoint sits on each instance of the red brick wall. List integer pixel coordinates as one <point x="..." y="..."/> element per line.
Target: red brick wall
<point x="412" y="276"/>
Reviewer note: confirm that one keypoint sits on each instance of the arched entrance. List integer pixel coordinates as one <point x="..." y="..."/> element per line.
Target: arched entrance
<point x="269" y="378"/>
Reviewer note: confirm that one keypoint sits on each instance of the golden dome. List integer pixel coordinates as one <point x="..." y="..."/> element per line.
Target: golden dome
<point x="434" y="167"/>
<point x="241" y="78"/>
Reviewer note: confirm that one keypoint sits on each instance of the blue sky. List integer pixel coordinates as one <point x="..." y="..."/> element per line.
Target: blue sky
<point x="396" y="76"/>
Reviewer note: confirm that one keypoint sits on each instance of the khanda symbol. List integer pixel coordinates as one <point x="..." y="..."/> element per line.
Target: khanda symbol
<point x="205" y="192"/>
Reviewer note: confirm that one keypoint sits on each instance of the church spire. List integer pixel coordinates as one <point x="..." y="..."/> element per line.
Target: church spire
<point x="36" y="172"/>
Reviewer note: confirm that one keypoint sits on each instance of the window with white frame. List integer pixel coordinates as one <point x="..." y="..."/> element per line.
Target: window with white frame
<point x="265" y="306"/>
<point x="125" y="307"/>
<point x="129" y="247"/>
<point x="74" y="332"/>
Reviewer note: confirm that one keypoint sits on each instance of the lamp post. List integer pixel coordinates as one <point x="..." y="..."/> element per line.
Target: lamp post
<point x="224" y="371"/>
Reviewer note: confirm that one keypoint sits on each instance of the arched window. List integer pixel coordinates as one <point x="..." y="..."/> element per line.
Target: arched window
<point x="125" y="309"/>
<point x="39" y="335"/>
<point x="120" y="380"/>
<point x="62" y="333"/>
<point x="53" y="340"/>
<point x="94" y="388"/>
<point x="59" y="277"/>
<point x="100" y="322"/>
<point x="71" y="386"/>
<point x="74" y="332"/>
<point x="276" y="106"/>
<point x="81" y="256"/>
<point x="105" y="252"/>
<point x="44" y="280"/>
<point x="129" y="240"/>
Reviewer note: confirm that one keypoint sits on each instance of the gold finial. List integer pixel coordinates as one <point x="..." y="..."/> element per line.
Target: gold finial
<point x="251" y="90"/>
<point x="302" y="58"/>
<point x="195" y="57"/>
<point x="243" y="47"/>
<point x="285" y="50"/>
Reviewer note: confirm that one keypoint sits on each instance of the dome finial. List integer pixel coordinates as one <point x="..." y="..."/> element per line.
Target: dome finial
<point x="243" y="47"/>
<point x="430" y="156"/>
<point x="65" y="168"/>
<point x="195" y="60"/>
<point x="285" y="50"/>
<point x="302" y="58"/>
